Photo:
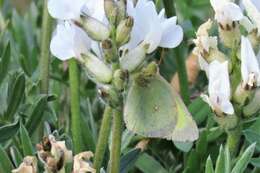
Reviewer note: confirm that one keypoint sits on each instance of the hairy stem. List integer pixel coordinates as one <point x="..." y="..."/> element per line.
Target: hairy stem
<point x="75" y="106"/>
<point x="103" y="138"/>
<point x="116" y="142"/>
<point x="233" y="139"/>
<point x="181" y="66"/>
<point x="45" y="53"/>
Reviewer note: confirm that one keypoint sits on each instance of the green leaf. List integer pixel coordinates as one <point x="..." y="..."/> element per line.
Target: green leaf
<point x="4" y="62"/>
<point x="252" y="136"/>
<point x="147" y="164"/>
<point x="199" y="109"/>
<point x="255" y="162"/>
<point x="128" y="160"/>
<point x="243" y="161"/>
<point x="193" y="162"/>
<point x="8" y="131"/>
<point x="16" y="96"/>
<point x="5" y="162"/>
<point x="227" y="160"/>
<point x="126" y="139"/>
<point x="37" y="114"/>
<point x="209" y="166"/>
<point x="220" y="164"/>
<point x="26" y="142"/>
<point x="16" y="156"/>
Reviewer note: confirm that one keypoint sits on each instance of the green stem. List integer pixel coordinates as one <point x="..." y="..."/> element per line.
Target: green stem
<point x="233" y="139"/>
<point x="45" y="53"/>
<point x="75" y="106"/>
<point x="116" y="142"/>
<point x="181" y="66"/>
<point x="103" y="138"/>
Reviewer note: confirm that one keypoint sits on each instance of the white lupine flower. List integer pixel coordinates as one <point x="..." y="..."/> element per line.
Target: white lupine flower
<point x="219" y="88"/>
<point x="226" y="11"/>
<point x="65" y="9"/>
<point x="249" y="65"/>
<point x="253" y="13"/>
<point x="69" y="41"/>
<point x="152" y="28"/>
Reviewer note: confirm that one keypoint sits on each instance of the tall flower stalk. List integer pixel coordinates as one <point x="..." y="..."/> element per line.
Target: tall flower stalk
<point x="181" y="66"/>
<point x="75" y="106"/>
<point x="45" y="53"/>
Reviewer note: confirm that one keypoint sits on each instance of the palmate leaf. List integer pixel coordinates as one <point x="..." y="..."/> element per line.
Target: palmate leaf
<point x="154" y="109"/>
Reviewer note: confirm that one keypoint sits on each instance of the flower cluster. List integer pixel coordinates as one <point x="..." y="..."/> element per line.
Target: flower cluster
<point x="54" y="155"/>
<point x="233" y="72"/>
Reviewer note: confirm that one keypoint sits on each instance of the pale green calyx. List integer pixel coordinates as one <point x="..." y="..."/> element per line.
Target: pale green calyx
<point x="134" y="58"/>
<point x="95" y="29"/>
<point x="123" y="30"/>
<point x="96" y="68"/>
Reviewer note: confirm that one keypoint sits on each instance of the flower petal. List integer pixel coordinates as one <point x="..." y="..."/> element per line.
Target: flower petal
<point x="172" y="33"/>
<point x="249" y="63"/>
<point x="69" y="41"/>
<point x="65" y="9"/>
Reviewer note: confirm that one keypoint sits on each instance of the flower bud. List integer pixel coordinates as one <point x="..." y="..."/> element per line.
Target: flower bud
<point x="111" y="10"/>
<point x="227" y="122"/>
<point x="253" y="106"/>
<point x="241" y="94"/>
<point x="123" y="30"/>
<point x="119" y="79"/>
<point x="254" y="38"/>
<point x="230" y="34"/>
<point x="121" y="10"/>
<point x="95" y="29"/>
<point x="96" y="68"/>
<point x="29" y="165"/>
<point x="134" y="58"/>
<point x="109" y="95"/>
<point x="108" y="50"/>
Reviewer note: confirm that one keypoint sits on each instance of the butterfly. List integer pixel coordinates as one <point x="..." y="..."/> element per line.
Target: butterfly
<point x="154" y="109"/>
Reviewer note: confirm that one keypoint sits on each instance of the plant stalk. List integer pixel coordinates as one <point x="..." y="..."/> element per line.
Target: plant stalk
<point x="75" y="106"/>
<point x="181" y="66"/>
<point x="233" y="139"/>
<point x="116" y="141"/>
<point x="45" y="53"/>
<point x="103" y="138"/>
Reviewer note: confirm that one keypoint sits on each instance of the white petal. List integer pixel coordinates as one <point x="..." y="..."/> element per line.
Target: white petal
<point x="227" y="107"/>
<point x="232" y="11"/>
<point x="172" y="33"/>
<point x="61" y="45"/>
<point x="249" y="63"/>
<point x="95" y="9"/>
<point x="69" y="41"/>
<point x="82" y="42"/>
<point x="65" y="9"/>
<point x="252" y="12"/>
<point x="257" y="4"/>
<point x="247" y="24"/>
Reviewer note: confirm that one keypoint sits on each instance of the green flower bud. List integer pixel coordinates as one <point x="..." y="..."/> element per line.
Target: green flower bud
<point x="253" y="106"/>
<point x="134" y="58"/>
<point x="108" y="50"/>
<point x="241" y="94"/>
<point x="95" y="29"/>
<point x="120" y="79"/>
<point x="96" y="68"/>
<point x="227" y="122"/>
<point x="230" y="34"/>
<point x="121" y="10"/>
<point x="109" y="95"/>
<point x="111" y="10"/>
<point x="123" y="30"/>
